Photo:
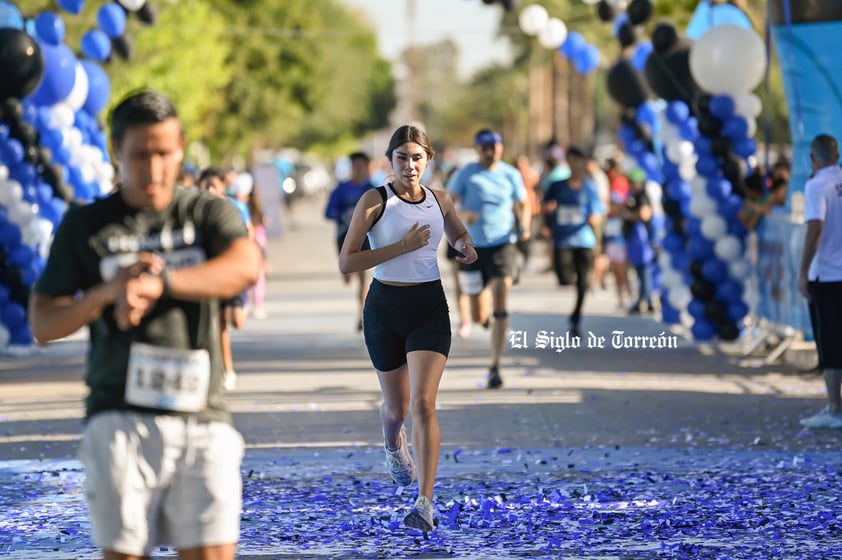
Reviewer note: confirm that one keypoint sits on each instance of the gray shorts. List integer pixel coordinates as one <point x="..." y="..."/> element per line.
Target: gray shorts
<point x="160" y="479"/>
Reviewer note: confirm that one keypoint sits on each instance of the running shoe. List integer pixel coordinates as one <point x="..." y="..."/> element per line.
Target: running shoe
<point x="494" y="379"/>
<point x="399" y="462"/>
<point x="825" y="419"/>
<point x="229" y="380"/>
<point x="421" y="515"/>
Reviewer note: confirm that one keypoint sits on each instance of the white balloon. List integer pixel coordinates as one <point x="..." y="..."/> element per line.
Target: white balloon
<point x="61" y="116"/>
<point x="752" y="128"/>
<point x="739" y="269"/>
<point x="533" y="18"/>
<point x="132" y="5"/>
<point x="4" y="336"/>
<point x="698" y="186"/>
<point x="729" y="248"/>
<point x="687" y="170"/>
<point x="701" y="205"/>
<point x="714" y="227"/>
<point x="10" y="193"/>
<point x="747" y="105"/>
<point x="679" y="296"/>
<point x="728" y="59"/>
<point x="105" y="187"/>
<point x="79" y="94"/>
<point x="4" y="172"/>
<point x="553" y="34"/>
<point x="72" y="138"/>
<point x="21" y="214"/>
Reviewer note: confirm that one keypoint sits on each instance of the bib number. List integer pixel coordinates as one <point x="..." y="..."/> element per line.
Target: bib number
<point x="470" y="281"/>
<point x="168" y="378"/>
<point x="568" y="216"/>
<point x="613" y="227"/>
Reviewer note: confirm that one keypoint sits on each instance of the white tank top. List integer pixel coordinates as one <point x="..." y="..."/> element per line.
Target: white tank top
<point x="397" y="218"/>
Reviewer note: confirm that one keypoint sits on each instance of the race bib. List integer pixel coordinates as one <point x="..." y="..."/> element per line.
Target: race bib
<point x="168" y="378"/>
<point x="613" y="227"/>
<point x="568" y="216"/>
<point x="470" y="281"/>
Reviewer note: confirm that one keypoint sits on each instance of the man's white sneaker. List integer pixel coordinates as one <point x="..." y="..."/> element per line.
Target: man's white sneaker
<point x="229" y="380"/>
<point x="825" y="419"/>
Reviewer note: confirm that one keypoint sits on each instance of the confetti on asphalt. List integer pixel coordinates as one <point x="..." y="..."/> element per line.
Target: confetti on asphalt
<point x="655" y="504"/>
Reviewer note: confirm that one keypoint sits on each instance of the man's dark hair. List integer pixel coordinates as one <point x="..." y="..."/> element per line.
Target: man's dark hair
<point x="825" y="149"/>
<point x="210" y="173"/>
<point x="576" y="151"/>
<point x="140" y="108"/>
<point x="359" y="155"/>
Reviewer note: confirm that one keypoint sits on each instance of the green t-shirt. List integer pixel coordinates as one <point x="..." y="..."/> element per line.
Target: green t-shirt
<point x="94" y="241"/>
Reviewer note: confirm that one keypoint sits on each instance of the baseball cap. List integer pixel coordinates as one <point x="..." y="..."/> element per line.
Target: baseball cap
<point x="243" y="184"/>
<point x="637" y="175"/>
<point x="488" y="137"/>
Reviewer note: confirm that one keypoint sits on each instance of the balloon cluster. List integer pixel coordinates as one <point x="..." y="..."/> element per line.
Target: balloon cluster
<point x="552" y="34"/>
<point x="53" y="150"/>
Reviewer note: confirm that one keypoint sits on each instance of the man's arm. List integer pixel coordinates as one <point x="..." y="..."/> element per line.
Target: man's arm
<point x="811" y="246"/>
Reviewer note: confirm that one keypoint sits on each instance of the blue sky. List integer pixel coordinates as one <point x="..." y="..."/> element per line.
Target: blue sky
<point x="472" y="24"/>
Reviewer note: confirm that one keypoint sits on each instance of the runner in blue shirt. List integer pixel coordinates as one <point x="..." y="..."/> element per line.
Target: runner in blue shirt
<point x="575" y="209"/>
<point x="340" y="208"/>
<point x="494" y="207"/>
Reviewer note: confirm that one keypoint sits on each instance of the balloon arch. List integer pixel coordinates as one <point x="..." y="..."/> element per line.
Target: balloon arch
<point x="53" y="150"/>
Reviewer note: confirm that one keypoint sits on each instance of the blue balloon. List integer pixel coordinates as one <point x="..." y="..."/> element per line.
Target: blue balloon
<point x="696" y="308"/>
<point x="573" y="44"/>
<point x="677" y="112"/>
<point x="72" y="6"/>
<point x="44" y="193"/>
<point x="736" y="227"/>
<point x="707" y="166"/>
<point x="672" y="242"/>
<point x="13" y="315"/>
<point x="735" y="128"/>
<point x="703" y="330"/>
<point x="587" y="59"/>
<point x="693" y="226"/>
<point x="99" y="88"/>
<point x="745" y="147"/>
<point x="703" y="146"/>
<point x="111" y="18"/>
<point x="618" y="23"/>
<point x="10" y="235"/>
<point x="96" y="45"/>
<point x="722" y="107"/>
<point x="21" y="335"/>
<point x="4" y="294"/>
<point x="12" y="151"/>
<point x="718" y="189"/>
<point x="699" y="249"/>
<point x="680" y="261"/>
<point x="689" y="129"/>
<point x="714" y="270"/>
<point x="648" y="115"/>
<point x="737" y="311"/>
<point x="679" y="189"/>
<point x="50" y="28"/>
<point x="24" y="173"/>
<point x="59" y="75"/>
<point x="10" y="15"/>
<point x="729" y="291"/>
<point x="641" y="55"/>
<point x="669" y="314"/>
<point x="20" y="256"/>
<point x="730" y="207"/>
<point x="709" y="15"/>
<point x="53" y="211"/>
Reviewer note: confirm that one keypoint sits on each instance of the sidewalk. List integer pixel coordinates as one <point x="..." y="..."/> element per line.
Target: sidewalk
<point x="586" y="452"/>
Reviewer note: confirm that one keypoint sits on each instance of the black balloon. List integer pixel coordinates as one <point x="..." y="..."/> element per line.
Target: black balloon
<point x="696" y="269"/>
<point x="721" y="146"/>
<point x="709" y="126"/>
<point x="625" y="84"/>
<point x="734" y="168"/>
<point x="716" y="312"/>
<point x="21" y="63"/>
<point x="669" y="76"/>
<point x="605" y="10"/>
<point x="627" y="35"/>
<point x="702" y="290"/>
<point x="123" y="47"/>
<point x="639" y="11"/>
<point x="148" y="13"/>
<point x="664" y="37"/>
<point x="672" y="208"/>
<point x="24" y="132"/>
<point x="12" y="110"/>
<point x="728" y="331"/>
<point x="702" y="104"/>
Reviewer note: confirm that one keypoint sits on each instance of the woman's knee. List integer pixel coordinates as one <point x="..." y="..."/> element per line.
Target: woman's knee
<point x="394" y="412"/>
<point x="423" y="409"/>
